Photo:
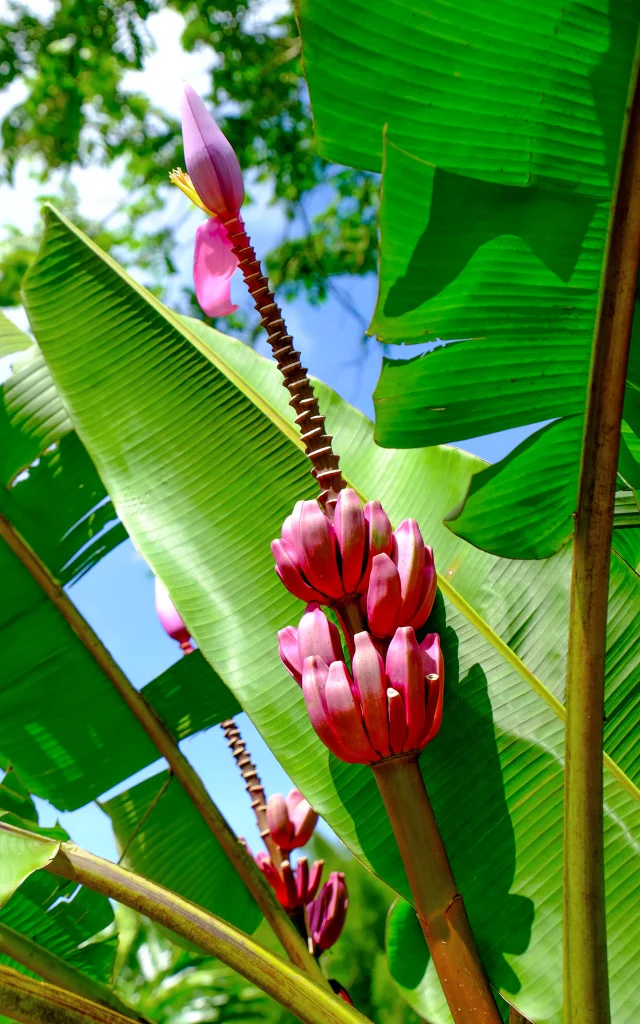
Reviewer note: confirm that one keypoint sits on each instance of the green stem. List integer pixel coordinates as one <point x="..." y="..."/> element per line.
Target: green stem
<point x="311" y="1002"/>
<point x="586" y="987"/>
<point x="166" y="745"/>
<point x="439" y="904"/>
<point x="57" y="971"/>
<point x="37" y="1002"/>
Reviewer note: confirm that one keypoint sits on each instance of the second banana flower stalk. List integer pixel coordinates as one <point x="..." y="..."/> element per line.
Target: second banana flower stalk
<point x="321" y="911"/>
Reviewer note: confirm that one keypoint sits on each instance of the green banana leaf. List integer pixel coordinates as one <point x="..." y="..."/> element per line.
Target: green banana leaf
<point x="51" y="493"/>
<point x="207" y="452"/>
<point x="49" y="910"/>
<point x="61" y="931"/>
<point x="626" y="519"/>
<point x="12" y="339"/>
<point x="62" y="724"/>
<point x="155" y="819"/>
<point x="497" y="129"/>
<point x="20" y="857"/>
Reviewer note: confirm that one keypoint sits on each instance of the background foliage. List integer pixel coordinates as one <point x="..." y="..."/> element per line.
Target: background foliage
<point x="77" y="113"/>
<point x="174" y="986"/>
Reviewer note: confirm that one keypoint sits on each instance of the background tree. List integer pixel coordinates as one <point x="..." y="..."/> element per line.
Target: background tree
<point x="77" y="113"/>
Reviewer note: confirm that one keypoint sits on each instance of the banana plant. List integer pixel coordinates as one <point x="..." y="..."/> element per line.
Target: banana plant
<point x="204" y="464"/>
<point x="510" y="227"/>
<point x="218" y="407"/>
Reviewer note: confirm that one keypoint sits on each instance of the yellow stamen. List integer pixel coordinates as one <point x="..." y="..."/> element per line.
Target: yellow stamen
<point x="184" y="183"/>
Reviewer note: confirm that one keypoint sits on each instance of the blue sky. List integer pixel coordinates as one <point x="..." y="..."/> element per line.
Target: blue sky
<point x="117" y="597"/>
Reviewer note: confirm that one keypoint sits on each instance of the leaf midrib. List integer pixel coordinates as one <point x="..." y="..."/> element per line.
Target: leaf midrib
<point x="276" y="417"/>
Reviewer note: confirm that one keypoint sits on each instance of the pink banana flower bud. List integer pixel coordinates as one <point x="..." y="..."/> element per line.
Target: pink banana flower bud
<point x="211" y="161"/>
<point x="292" y="821"/>
<point x="214" y="183"/>
<point x="295" y="886"/>
<point x="387" y="708"/>
<point x="328" y="912"/>
<point x="402" y="585"/>
<point x="315" y="635"/>
<point x="326" y="562"/>
<point x="170" y="619"/>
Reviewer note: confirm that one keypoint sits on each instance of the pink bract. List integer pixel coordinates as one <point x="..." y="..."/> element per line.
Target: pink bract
<point x="327" y="912"/>
<point x="211" y="161"/>
<point x="170" y="618"/>
<point x="293" y="886"/>
<point x="214" y="264"/>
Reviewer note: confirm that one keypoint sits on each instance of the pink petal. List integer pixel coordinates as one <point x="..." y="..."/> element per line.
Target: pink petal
<point x="294" y="797"/>
<point x="302" y="879"/>
<point x="304" y="820"/>
<point x="328" y="912"/>
<point x="314" y="878"/>
<point x="289" y="883"/>
<point x="211" y="161"/>
<point x="280" y="826"/>
<point x="213" y="267"/>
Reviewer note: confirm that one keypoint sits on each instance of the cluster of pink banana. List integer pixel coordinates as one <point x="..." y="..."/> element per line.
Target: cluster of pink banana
<point x="294" y="885"/>
<point x="358" y="556"/>
<point x="381" y="585"/>
<point x="291" y="823"/>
